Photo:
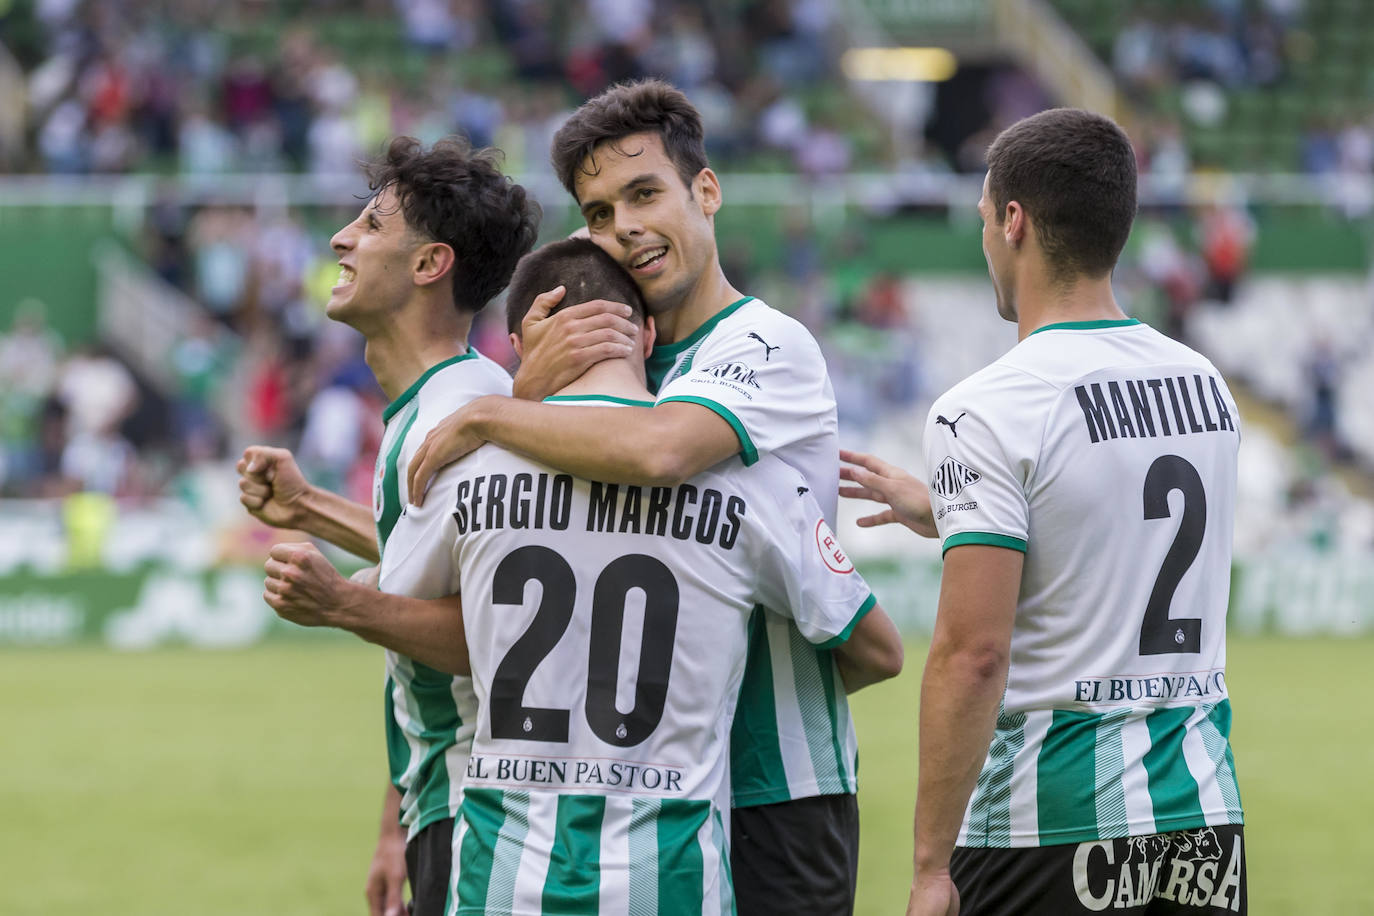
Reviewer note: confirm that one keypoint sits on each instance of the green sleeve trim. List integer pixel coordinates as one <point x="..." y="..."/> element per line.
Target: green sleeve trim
<point x="985" y="538"/>
<point x="869" y="604"/>
<point x="746" y="445"/>
<point x="414" y="389"/>
<point x="605" y="398"/>
<point x="1087" y="325"/>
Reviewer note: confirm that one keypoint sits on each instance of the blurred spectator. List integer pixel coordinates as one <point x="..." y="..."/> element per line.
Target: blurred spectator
<point x="1226" y="236"/>
<point x="881" y="306"/>
<point x="29" y="357"/>
<point x="96" y="389"/>
<point x="1323" y="371"/>
<point x="29" y="353"/>
<point x="1169" y="269"/>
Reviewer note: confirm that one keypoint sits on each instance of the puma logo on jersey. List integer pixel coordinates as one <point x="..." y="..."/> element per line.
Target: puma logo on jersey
<point x="950" y="423"/>
<point x="802" y="491"/>
<point x="951" y="477"/>
<point x="766" y="348"/>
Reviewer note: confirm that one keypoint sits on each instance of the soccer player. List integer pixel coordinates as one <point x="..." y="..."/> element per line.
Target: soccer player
<point x="734" y="379"/>
<point x="607" y="629"/>
<point x="437" y="240"/>
<point x="1075" y="721"/>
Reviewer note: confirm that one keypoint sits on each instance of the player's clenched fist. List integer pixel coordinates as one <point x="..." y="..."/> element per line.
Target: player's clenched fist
<point x="271" y="486"/>
<point x="303" y="587"/>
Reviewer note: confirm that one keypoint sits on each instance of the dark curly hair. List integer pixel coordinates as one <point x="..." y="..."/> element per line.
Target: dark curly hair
<point x="457" y="195"/>
<point x="579" y="265"/>
<point x="644" y="106"/>
<point x="1074" y="172"/>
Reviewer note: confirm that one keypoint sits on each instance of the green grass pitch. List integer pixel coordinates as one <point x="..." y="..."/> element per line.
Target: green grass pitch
<point x="208" y="783"/>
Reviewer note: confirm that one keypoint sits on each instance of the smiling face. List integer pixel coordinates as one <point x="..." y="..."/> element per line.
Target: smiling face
<point x="639" y="211"/>
<point x="377" y="253"/>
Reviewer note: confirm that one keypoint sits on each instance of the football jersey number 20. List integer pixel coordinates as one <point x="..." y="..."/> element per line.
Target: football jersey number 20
<point x="512" y="719"/>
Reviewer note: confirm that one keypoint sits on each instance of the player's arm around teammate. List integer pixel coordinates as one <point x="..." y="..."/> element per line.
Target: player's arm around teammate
<point x="274" y="491"/>
<point x="662" y="445"/>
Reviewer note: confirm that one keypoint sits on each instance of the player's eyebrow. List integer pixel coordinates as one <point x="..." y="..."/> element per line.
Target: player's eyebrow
<point x="638" y="181"/>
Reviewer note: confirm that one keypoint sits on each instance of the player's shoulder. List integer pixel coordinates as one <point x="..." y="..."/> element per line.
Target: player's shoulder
<point x="997" y="385"/>
<point x="1001" y="399"/>
<point x="758" y="326"/>
<point x="471" y="375"/>
<point x="769" y="474"/>
<point x="456" y="383"/>
<point x="770" y="485"/>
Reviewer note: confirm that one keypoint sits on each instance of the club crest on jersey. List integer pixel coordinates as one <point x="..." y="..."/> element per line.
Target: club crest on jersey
<point x="738" y="373"/>
<point x="830" y="550"/>
<point x="951" y="477"/>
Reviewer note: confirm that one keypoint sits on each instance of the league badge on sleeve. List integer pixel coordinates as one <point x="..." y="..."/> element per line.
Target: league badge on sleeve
<point x="829" y="547"/>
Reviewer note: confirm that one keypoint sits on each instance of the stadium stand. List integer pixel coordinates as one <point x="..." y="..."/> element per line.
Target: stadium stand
<point x="199" y="115"/>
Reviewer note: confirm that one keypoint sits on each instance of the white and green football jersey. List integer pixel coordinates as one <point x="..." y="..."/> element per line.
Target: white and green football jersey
<point x="428" y="713"/>
<point x="1107" y="453"/>
<point x="764" y="374"/>
<point x="607" y="628"/>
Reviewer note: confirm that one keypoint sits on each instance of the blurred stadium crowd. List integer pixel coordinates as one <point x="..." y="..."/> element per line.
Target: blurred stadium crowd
<point x="205" y="87"/>
<point x="208" y="87"/>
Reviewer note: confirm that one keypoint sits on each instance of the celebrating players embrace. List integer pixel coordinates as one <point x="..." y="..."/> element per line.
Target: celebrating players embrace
<point x="638" y="584"/>
<point x="620" y="631"/>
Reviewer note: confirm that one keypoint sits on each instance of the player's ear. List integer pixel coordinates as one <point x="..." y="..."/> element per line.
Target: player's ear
<point x="706" y="189"/>
<point x="518" y="345"/>
<point x="646" y="343"/>
<point x="1016" y="224"/>
<point x="432" y="262"/>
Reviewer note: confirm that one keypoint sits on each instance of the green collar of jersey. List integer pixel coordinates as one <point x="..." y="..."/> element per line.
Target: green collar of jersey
<point x="1087" y="325"/>
<point x="672" y="350"/>
<point x="661" y="359"/>
<point x="414" y="389"/>
<point x="583" y="398"/>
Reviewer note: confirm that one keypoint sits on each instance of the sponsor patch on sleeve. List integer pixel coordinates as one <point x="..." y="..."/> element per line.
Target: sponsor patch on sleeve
<point x="951" y="477"/>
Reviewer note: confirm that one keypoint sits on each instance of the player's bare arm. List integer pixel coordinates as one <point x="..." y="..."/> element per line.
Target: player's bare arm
<point x="305" y="588"/>
<point x="386" y="876"/>
<point x="646" y="446"/>
<point x="907" y="498"/>
<point x="872" y="653"/>
<point x="965" y="676"/>
<point x="273" y="490"/>
<point x="558" y="348"/>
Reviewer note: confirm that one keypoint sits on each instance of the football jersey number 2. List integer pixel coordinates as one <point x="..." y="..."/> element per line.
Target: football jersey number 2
<point x="1161" y="634"/>
<point x="512" y="719"/>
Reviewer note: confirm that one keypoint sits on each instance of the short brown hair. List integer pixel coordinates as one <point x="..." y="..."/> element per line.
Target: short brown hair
<point x="1074" y="172"/>
<point x="457" y="195"/>
<point x="644" y="106"/>
<point x="582" y="267"/>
